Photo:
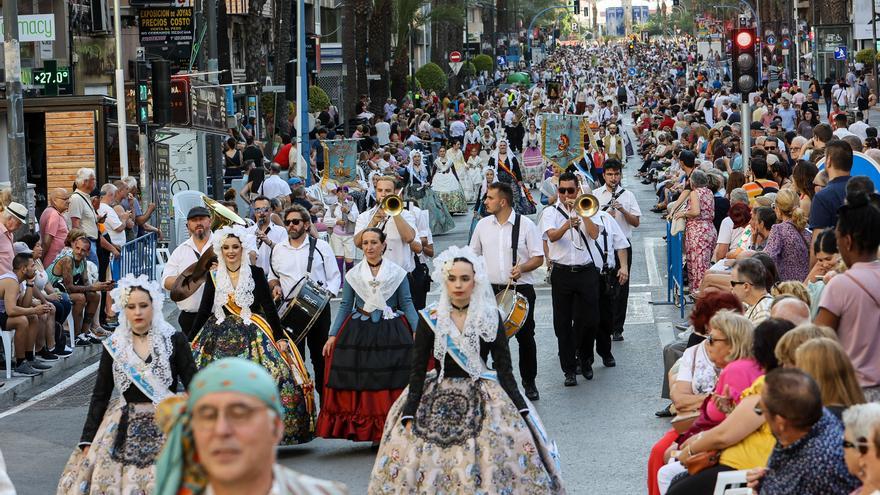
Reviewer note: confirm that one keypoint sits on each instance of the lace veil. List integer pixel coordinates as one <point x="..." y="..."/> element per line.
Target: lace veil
<point x="482" y="317"/>
<point x="243" y="293"/>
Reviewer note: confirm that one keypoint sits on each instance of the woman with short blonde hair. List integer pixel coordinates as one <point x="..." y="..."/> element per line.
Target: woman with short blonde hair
<point x="737" y="329"/>
<point x="789" y="343"/>
<point x="825" y="360"/>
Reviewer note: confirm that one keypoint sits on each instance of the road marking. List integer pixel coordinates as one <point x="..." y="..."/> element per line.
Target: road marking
<point x="639" y="309"/>
<point x="67" y="383"/>
<point x="651" y="260"/>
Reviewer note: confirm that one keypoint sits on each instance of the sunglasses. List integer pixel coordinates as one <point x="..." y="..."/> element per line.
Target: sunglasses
<point x="293" y="221"/>
<point x="860" y="445"/>
<point x="262" y="210"/>
<point x="567" y="190"/>
<point x="711" y="340"/>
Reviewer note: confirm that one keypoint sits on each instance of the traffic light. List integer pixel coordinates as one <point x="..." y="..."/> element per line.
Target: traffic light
<point x="161" y="92"/>
<point x="577" y="7"/>
<point x="290" y="81"/>
<point x="745" y="63"/>
<point x="142" y="93"/>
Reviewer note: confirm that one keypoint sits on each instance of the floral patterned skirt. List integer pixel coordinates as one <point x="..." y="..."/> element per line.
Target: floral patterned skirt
<point x="121" y="457"/>
<point x="232" y="338"/>
<point x="466" y="437"/>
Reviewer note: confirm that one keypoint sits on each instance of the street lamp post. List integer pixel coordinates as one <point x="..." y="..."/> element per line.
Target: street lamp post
<point x="122" y="137"/>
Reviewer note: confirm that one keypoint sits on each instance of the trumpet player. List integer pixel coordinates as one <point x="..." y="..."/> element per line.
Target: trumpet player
<point x="574" y="277"/>
<point x="399" y="227"/>
<point x="494" y="238"/>
<point x="622" y="205"/>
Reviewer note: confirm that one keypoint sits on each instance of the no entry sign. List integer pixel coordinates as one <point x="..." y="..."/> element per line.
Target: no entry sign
<point x="454" y="57"/>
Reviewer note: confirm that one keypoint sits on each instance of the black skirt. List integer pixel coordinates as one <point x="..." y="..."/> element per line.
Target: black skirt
<point x="371" y="356"/>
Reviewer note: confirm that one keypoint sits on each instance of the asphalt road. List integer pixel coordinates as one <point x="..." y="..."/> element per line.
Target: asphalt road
<point x="604" y="428"/>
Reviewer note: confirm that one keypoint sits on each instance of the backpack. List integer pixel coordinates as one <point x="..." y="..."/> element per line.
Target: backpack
<point x="863" y="91"/>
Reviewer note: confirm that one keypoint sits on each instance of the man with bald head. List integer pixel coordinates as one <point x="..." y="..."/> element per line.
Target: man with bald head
<point x="53" y="227"/>
<point x="791" y="309"/>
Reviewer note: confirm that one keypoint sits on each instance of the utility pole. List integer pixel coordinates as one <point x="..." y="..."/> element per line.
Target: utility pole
<point x="874" y="33"/>
<point x="302" y="94"/>
<point x="212" y="143"/>
<point x="144" y="144"/>
<point x="15" y="103"/>
<point x="120" y="95"/>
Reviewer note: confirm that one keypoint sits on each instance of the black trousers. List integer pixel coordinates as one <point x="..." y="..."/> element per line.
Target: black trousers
<point x="528" y="349"/>
<point x="702" y="482"/>
<point x="186" y="319"/>
<point x="315" y="340"/>
<point x="600" y="335"/>
<point x="575" y="297"/>
<point x="622" y="296"/>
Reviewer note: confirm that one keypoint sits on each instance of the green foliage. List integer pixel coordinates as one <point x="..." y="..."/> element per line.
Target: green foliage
<point x="865" y="56"/>
<point x="468" y="70"/>
<point x="432" y="77"/>
<point x="318" y="100"/>
<point x="483" y="63"/>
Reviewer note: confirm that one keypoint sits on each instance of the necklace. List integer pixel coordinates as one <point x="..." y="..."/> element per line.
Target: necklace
<point x="233" y="271"/>
<point x="460" y="309"/>
<point x="140" y="334"/>
<point x="377" y="265"/>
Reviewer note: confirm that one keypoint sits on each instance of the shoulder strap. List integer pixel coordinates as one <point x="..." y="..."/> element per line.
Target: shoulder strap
<point x="861" y="286"/>
<point x="271" y="265"/>
<point x="514" y="242"/>
<point x="580" y="233"/>
<point x="312" y="245"/>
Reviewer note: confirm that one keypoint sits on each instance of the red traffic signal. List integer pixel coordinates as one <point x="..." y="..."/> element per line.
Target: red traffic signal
<point x="744" y="39"/>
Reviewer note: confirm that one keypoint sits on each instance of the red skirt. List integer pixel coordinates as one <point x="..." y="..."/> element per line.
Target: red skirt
<point x="353" y="414"/>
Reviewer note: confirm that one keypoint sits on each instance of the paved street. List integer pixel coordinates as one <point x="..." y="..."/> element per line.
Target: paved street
<point x="604" y="427"/>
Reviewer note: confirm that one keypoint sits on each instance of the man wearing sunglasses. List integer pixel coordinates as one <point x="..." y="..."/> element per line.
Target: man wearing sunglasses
<point x="574" y="277"/>
<point x="305" y="256"/>
<point x="808" y="457"/>
<point x="267" y="233"/>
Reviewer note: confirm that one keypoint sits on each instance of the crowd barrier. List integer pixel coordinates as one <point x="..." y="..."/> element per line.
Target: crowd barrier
<point x="675" y="268"/>
<point x="138" y="257"/>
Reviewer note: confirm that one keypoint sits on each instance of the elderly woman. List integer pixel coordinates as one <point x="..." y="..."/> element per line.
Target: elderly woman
<point x="789" y="243"/>
<point x="743" y="438"/>
<point x="700" y="234"/>
<point x="738" y="217"/>
<point x="727" y="351"/>
<point x="860" y="421"/>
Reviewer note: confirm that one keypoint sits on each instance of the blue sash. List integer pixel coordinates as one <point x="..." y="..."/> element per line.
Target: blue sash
<point x="139" y="380"/>
<point x="539" y="433"/>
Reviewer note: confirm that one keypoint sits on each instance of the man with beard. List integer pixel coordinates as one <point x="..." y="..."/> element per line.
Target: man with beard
<point x="267" y="233"/>
<point x="305" y="256"/>
<point x="198" y="224"/>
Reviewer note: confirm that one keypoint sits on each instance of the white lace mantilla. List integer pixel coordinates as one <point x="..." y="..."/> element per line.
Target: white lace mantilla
<point x="243" y="292"/>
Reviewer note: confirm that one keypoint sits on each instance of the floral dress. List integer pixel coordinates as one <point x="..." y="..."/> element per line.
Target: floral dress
<point x="700" y="237"/>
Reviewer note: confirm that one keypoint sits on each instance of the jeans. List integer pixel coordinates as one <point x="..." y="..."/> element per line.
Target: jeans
<point x="63" y="307"/>
<point x="93" y="251"/>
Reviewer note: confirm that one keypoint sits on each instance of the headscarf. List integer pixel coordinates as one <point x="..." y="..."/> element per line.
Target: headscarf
<point x="176" y="467"/>
<point x="158" y="370"/>
<point x="422" y="173"/>
<point x="482" y="318"/>
<point x="243" y="292"/>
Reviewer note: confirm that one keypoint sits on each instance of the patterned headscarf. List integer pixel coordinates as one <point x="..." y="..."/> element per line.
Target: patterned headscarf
<point x="177" y="471"/>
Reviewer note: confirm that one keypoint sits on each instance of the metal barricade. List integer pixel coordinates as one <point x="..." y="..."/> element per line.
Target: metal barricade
<point x="675" y="268"/>
<point x="138" y="257"/>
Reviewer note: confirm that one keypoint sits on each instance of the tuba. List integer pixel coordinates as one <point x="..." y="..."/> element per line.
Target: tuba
<point x="221" y="216"/>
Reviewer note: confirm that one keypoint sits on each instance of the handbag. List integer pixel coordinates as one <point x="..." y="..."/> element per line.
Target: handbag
<point x="678" y="224"/>
<point x="702" y="460"/>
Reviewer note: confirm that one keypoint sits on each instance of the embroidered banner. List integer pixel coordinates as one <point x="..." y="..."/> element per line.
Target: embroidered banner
<point x="562" y="138"/>
<point x="340" y="160"/>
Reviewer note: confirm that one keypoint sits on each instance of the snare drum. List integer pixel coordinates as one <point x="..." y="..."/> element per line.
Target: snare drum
<point x="303" y="307"/>
<point x="514" y="309"/>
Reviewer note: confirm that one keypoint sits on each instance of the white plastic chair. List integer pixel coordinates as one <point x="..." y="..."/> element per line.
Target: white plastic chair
<point x="162" y="255"/>
<point x="70" y="331"/>
<point x="182" y="202"/>
<point x="8" y="336"/>
<point x="732" y="483"/>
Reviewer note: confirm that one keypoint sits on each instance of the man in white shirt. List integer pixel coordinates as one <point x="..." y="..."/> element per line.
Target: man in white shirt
<point x="420" y="281"/>
<point x="624" y="208"/>
<point x="267" y="233"/>
<point x="274" y="186"/>
<point x="304" y="256"/>
<point x="860" y="127"/>
<point x="399" y="229"/>
<point x="457" y="129"/>
<point x="494" y="237"/>
<point x="574" y="277"/>
<point x="198" y="224"/>
<point x="383" y="132"/>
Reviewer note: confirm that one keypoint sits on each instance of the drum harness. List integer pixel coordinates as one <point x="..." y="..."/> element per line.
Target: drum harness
<point x="313" y="243"/>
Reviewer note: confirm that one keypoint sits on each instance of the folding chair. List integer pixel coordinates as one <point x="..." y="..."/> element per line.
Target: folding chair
<point x="732" y="483"/>
<point x="8" y="337"/>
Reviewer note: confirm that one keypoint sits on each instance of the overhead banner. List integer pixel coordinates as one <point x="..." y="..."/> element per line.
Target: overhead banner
<point x="340" y="160"/>
<point x="33" y="27"/>
<point x="862" y="27"/>
<point x="562" y="138"/>
<point x="167" y="32"/>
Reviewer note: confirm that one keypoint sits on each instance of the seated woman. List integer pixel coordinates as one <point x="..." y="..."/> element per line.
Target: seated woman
<point x="825" y="360"/>
<point x="859" y="423"/>
<point x="789" y="343"/>
<point x="743" y="438"/>
<point x="827" y="261"/>
<point x="726" y="354"/>
<point x="789" y="242"/>
<point x="738" y="217"/>
<point x="463" y="428"/>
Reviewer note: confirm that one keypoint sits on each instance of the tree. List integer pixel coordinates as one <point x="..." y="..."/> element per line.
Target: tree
<point x="432" y="77"/>
<point x="282" y="53"/>
<point x="483" y="63"/>
<point x="349" y="59"/>
<point x="379" y="50"/>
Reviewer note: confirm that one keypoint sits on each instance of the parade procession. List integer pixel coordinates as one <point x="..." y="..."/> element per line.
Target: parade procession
<point x="455" y="248"/>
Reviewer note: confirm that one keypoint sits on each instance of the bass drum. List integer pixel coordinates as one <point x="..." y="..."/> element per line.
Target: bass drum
<point x="514" y="308"/>
<point x="303" y="307"/>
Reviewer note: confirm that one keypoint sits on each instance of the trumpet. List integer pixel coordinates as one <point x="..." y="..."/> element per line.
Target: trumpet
<point x="585" y="205"/>
<point x="392" y="205"/>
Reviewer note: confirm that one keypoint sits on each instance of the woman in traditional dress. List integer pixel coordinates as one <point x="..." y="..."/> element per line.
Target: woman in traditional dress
<point x="487" y="143"/>
<point x="459" y="161"/>
<point x="463" y="428"/>
<point x="533" y="171"/>
<point x="143" y="360"/>
<point x="237" y="318"/>
<point x="420" y="191"/>
<point x="446" y="185"/>
<point x="471" y="139"/>
<point x="368" y="352"/>
<point x="479" y="206"/>
<point x="474" y="172"/>
<point x="507" y="170"/>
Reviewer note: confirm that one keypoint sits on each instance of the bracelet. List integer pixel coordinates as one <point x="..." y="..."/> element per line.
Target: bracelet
<point x="29" y="284"/>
